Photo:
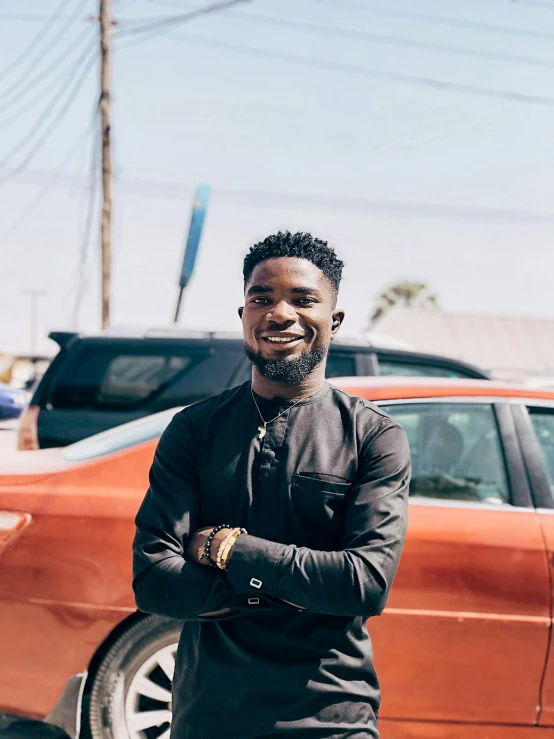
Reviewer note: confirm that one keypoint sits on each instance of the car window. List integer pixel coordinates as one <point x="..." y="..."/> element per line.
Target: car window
<point x="456" y="451"/>
<point x="340" y="365"/>
<point x="388" y="367"/>
<point x="543" y="424"/>
<point x="98" y="378"/>
<point x="136" y="377"/>
<point x="120" y="437"/>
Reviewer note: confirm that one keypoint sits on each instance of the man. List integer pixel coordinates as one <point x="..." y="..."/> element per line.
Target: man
<point x="274" y="524"/>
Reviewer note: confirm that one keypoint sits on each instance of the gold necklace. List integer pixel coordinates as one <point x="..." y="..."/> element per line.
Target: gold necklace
<point x="262" y="429"/>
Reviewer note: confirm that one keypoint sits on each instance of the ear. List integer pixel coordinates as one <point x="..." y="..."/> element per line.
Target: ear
<point x="338" y="317"/>
<point x="241" y="311"/>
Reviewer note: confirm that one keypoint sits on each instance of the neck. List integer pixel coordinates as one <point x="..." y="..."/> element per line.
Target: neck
<point x="288" y="391"/>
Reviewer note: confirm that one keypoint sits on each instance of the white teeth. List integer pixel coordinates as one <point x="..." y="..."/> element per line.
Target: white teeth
<point x="282" y="339"/>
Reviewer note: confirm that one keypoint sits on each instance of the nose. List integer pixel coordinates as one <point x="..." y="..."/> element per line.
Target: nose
<point x="282" y="313"/>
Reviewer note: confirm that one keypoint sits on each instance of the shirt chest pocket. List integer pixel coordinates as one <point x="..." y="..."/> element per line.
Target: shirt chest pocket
<point x="318" y="509"/>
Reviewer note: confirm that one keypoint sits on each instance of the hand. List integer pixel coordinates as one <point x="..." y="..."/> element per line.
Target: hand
<point x="195" y="547"/>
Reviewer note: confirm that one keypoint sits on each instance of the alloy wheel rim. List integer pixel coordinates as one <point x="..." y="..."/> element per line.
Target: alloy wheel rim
<point x="148" y="707"/>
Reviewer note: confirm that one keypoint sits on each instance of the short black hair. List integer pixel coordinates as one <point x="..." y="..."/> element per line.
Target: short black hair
<point x="300" y="245"/>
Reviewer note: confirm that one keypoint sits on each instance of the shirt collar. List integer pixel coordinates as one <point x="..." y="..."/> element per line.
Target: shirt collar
<point x="285" y="403"/>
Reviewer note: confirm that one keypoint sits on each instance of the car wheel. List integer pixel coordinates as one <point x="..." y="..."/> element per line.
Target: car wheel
<point x="130" y="696"/>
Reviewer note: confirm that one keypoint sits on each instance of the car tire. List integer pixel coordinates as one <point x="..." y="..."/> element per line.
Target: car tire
<point x="134" y="679"/>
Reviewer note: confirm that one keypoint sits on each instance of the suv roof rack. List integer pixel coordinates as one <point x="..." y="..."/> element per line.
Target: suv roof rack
<point x="182" y="333"/>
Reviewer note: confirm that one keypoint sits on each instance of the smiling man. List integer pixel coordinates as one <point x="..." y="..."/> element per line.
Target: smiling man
<point x="274" y="523"/>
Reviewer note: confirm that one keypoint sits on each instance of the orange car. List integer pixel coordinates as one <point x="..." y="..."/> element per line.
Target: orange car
<point x="463" y="648"/>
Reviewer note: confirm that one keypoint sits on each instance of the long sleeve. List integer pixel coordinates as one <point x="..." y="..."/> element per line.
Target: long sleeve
<point x="163" y="581"/>
<point x="355" y="581"/>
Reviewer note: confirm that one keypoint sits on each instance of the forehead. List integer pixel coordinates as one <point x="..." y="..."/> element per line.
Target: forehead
<point x="289" y="272"/>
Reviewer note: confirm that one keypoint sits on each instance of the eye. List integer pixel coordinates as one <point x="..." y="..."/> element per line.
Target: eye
<point x="260" y="301"/>
<point x="305" y="301"/>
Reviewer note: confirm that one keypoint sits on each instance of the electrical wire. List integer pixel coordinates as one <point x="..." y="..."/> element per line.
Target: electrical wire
<point x="39" y="197"/>
<point x="45" y="92"/>
<point x="437" y="20"/>
<point x="79" y="75"/>
<point x="378" y="38"/>
<point x="326" y="203"/>
<point x="32" y="18"/>
<point x="150" y="28"/>
<point x="84" y="250"/>
<point x="37" y="60"/>
<point x="20" y="91"/>
<point x="36" y="40"/>
<point x="347" y="68"/>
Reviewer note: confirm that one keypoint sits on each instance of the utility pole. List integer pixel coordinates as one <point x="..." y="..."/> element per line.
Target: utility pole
<point x="105" y="119"/>
<point x="34" y="295"/>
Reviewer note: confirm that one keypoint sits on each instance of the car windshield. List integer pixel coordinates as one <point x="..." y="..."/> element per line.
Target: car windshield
<point x="120" y="437"/>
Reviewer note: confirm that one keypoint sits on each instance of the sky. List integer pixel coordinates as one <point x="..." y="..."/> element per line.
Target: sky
<point x="415" y="137"/>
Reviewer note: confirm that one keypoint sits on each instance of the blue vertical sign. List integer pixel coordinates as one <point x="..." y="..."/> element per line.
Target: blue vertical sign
<point x="195" y="232"/>
<point x="197" y="218"/>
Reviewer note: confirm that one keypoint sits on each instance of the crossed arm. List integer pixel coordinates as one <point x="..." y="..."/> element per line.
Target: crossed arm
<point x="170" y="580"/>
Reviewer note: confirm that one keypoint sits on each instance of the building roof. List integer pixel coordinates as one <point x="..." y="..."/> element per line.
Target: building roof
<point x="510" y="347"/>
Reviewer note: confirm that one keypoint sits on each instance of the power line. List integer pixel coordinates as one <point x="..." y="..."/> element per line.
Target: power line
<point x="45" y="92"/>
<point x="399" y="77"/>
<point x="438" y="20"/>
<point x="84" y="251"/>
<point x="12" y="228"/>
<point x="33" y="18"/>
<point x="86" y="62"/>
<point x="327" y="203"/>
<point x="150" y="28"/>
<point x="43" y="54"/>
<point x="388" y="40"/>
<point x="19" y="91"/>
<point x="36" y="40"/>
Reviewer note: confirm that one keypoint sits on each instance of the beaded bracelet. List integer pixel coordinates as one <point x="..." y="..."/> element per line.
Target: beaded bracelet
<point x="208" y="544"/>
<point x="226" y="546"/>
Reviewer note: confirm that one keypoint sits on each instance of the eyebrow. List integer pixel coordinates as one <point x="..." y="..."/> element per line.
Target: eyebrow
<point x="259" y="289"/>
<point x="306" y="291"/>
<point x="295" y="290"/>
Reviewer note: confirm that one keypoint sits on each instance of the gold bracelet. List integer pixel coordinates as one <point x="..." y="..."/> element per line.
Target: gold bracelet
<point x="223" y="545"/>
<point x="227" y="550"/>
<point x="226" y="546"/>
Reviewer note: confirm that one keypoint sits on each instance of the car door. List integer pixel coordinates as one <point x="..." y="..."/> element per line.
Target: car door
<point x="465" y="634"/>
<point x="535" y="424"/>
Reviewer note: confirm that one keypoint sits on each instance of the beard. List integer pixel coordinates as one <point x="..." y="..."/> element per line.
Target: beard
<point x="288" y="371"/>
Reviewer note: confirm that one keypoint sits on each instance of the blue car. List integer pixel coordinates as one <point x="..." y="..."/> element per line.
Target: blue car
<point x="12" y="402"/>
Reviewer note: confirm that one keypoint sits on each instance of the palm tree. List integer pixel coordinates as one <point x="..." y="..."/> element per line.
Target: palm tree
<point x="407" y="293"/>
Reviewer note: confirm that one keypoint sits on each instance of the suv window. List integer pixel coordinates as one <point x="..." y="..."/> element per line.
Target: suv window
<point x="340" y="365"/>
<point x="129" y="379"/>
<point x="101" y="378"/>
<point x="456" y="451"/>
<point x="543" y="424"/>
<point x="388" y="367"/>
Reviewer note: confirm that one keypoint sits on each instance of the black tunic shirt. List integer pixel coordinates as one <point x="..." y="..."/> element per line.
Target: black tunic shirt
<point x="324" y="499"/>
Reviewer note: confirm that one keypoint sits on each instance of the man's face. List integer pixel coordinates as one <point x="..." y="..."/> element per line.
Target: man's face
<point x="287" y="318"/>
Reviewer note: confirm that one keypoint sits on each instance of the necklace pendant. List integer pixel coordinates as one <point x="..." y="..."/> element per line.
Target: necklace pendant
<point x="261" y="431"/>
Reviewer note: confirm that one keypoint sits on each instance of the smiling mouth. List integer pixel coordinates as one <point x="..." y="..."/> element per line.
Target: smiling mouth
<point x="282" y="339"/>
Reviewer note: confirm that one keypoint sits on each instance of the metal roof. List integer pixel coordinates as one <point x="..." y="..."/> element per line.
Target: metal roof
<point x="510" y="347"/>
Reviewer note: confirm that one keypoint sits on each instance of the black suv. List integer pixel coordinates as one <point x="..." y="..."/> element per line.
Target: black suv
<point x="97" y="382"/>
